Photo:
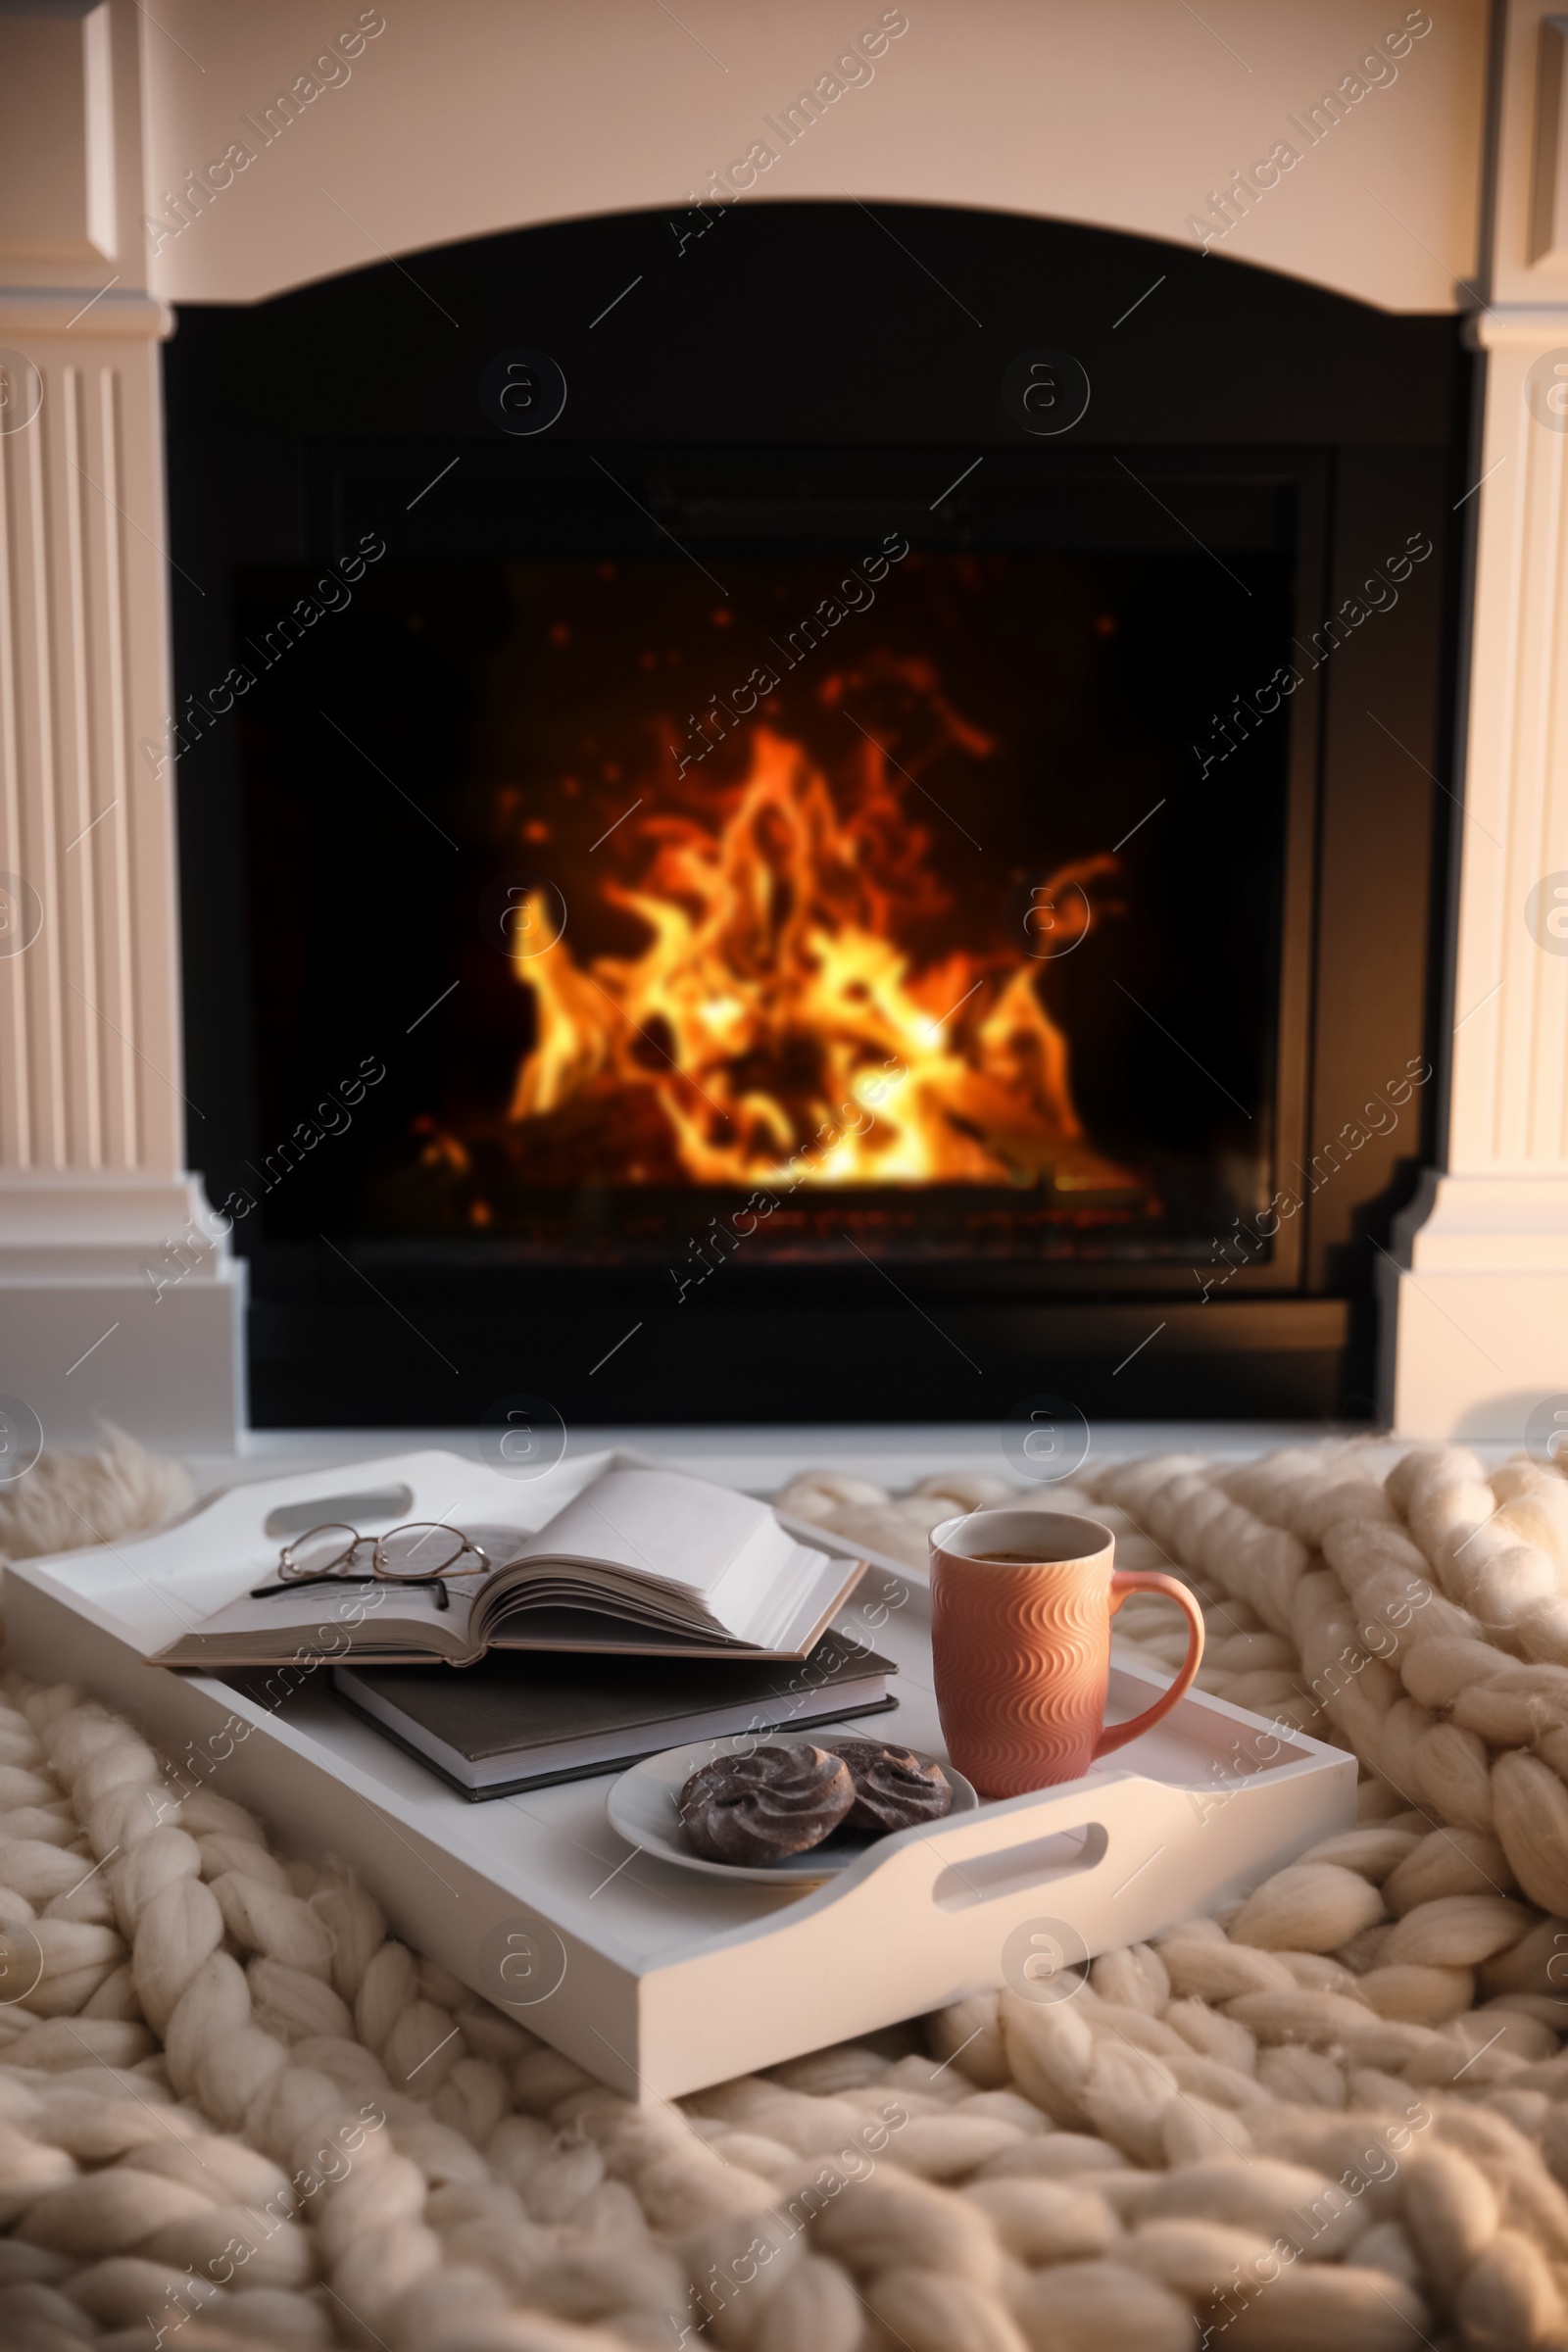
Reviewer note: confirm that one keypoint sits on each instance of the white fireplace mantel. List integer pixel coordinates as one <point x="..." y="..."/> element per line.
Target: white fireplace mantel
<point x="1475" y="1313"/>
<point x="117" y="1292"/>
<point x="118" y="1295"/>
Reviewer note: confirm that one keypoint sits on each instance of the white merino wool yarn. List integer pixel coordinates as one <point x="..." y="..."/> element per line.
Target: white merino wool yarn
<point x="236" y="2114"/>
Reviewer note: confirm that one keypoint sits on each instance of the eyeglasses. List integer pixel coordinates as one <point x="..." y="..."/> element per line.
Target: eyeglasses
<point x="423" y="1551"/>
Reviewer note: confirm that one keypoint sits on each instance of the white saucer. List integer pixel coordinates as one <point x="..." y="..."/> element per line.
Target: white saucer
<point x="644" y="1808"/>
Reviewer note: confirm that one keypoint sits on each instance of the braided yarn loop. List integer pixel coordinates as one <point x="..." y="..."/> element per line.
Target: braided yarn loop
<point x="237" y="2113"/>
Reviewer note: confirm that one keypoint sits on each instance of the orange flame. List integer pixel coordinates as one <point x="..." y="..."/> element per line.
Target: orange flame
<point x="773" y="1011"/>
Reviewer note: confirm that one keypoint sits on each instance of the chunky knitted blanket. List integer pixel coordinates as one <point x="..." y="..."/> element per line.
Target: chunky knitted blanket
<point x="235" y="2113"/>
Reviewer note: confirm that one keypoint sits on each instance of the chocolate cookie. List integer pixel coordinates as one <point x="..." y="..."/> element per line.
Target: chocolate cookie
<point x="761" y="1807"/>
<point x="893" y="1788"/>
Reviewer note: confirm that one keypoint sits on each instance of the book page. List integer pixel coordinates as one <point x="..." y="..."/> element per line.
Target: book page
<point x="284" y="1620"/>
<point x="328" y="1616"/>
<point x="659" y="1525"/>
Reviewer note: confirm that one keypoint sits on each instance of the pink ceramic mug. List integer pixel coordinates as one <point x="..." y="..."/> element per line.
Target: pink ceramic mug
<point x="1021" y="1605"/>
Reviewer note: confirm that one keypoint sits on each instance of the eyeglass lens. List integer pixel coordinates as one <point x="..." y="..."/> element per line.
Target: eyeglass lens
<point x="424" y="1547"/>
<point x="320" y="1550"/>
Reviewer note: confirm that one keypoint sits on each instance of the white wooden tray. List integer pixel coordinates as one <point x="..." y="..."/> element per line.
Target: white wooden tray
<point x="657" y="1980"/>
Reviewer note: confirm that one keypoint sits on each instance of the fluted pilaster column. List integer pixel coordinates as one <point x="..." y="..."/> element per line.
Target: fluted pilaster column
<point x="118" y="1295"/>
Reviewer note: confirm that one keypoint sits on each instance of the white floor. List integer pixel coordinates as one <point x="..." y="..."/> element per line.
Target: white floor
<point x="895" y="1454"/>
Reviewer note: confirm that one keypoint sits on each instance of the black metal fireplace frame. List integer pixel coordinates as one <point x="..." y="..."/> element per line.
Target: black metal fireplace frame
<point x="298" y="423"/>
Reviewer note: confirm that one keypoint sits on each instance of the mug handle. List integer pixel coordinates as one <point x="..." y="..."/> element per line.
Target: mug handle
<point x="1145" y="1579"/>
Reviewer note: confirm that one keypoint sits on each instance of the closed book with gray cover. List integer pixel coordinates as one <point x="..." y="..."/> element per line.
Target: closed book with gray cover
<point x="516" y="1720"/>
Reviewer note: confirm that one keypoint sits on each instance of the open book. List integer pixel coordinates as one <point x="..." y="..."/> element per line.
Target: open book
<point x="642" y="1561"/>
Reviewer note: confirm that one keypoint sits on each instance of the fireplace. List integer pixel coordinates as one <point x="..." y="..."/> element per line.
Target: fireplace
<point x="885" y="920"/>
<point x="794" y="923"/>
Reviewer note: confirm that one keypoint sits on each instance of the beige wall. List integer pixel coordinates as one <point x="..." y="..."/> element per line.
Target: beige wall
<point x="472" y="117"/>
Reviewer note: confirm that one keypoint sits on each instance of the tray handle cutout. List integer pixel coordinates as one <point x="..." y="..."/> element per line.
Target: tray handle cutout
<point x="383" y="1504"/>
<point x="985" y="1878"/>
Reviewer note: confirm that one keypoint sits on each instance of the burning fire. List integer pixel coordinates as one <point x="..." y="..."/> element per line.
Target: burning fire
<point x="773" y="1011"/>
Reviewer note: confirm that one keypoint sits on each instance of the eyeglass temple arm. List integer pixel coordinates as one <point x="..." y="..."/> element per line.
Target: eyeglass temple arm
<point x="330" y="1576"/>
